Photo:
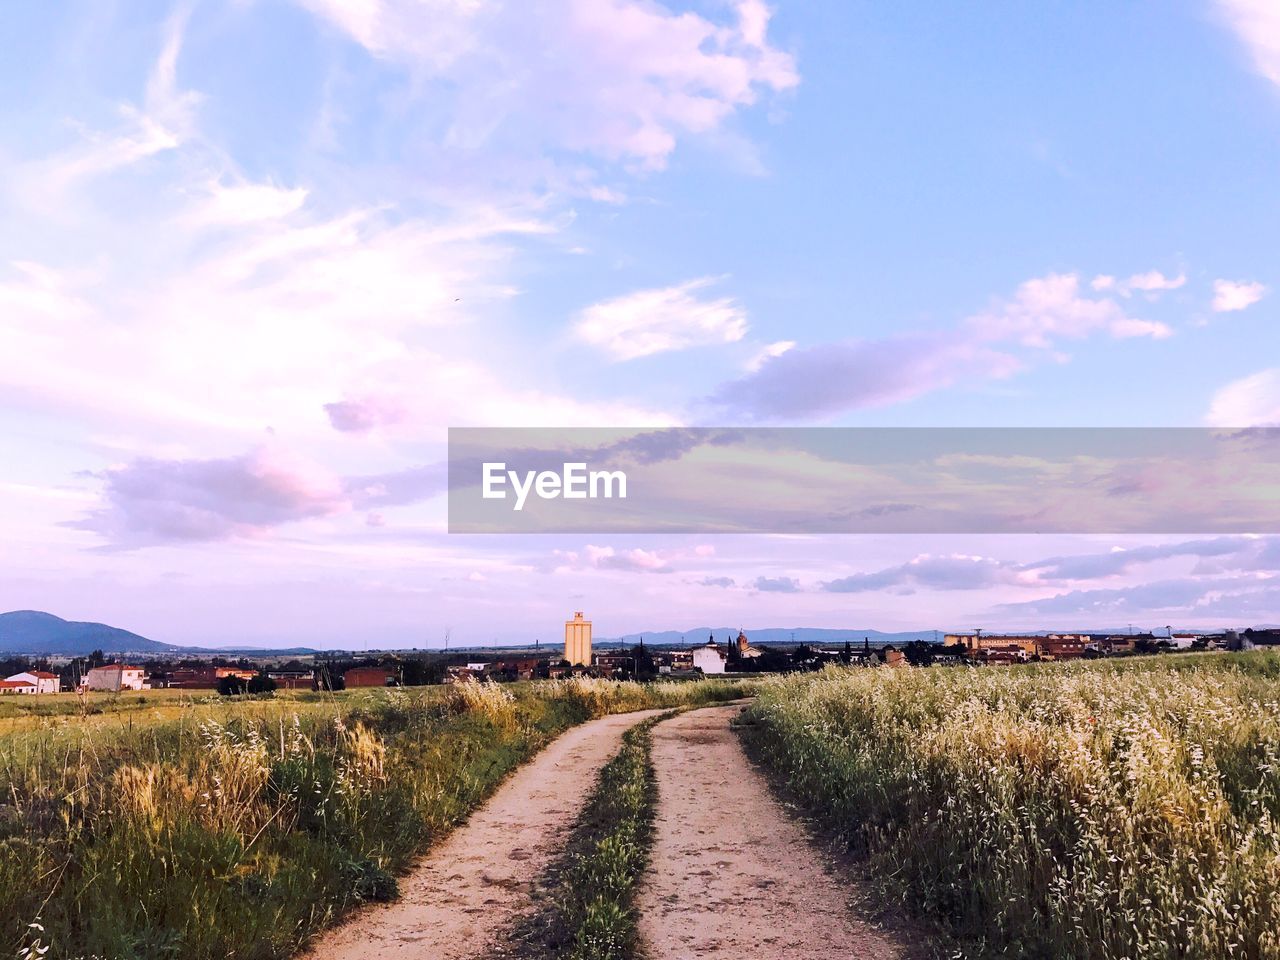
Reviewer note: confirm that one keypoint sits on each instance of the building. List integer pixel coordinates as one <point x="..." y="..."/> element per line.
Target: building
<point x="369" y="677"/>
<point x="115" y="677"/>
<point x="1064" y="646"/>
<point x="44" y="682"/>
<point x="614" y="664"/>
<point x="516" y="668"/>
<point x="673" y="662"/>
<point x="577" y="641"/>
<point x="23" y="687"/>
<point x="975" y="643"/>
<point x="709" y="658"/>
<point x="745" y="650"/>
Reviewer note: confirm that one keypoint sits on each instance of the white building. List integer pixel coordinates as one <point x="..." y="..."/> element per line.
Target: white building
<point x="709" y="658"/>
<point x="16" y="687"/>
<point x="115" y="677"/>
<point x="42" y="681"/>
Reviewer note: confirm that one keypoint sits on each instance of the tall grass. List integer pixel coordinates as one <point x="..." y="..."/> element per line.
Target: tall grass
<point x="239" y="829"/>
<point x="1084" y="810"/>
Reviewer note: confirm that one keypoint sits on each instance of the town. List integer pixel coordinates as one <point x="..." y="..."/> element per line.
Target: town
<point x="732" y="656"/>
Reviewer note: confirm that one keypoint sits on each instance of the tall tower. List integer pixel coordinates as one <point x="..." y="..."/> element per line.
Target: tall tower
<point x="577" y="641"/>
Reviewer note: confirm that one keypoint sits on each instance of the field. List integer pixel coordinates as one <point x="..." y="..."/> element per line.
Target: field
<point x="161" y="825"/>
<point x="1088" y="810"/>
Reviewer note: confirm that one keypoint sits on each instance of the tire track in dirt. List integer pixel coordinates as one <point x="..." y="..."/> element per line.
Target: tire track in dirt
<point x="732" y="874"/>
<point x="470" y="888"/>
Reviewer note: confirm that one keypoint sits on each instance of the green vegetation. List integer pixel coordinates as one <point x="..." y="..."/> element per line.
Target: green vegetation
<point x="212" y="828"/>
<point x="1085" y="810"/>
<point x="589" y="914"/>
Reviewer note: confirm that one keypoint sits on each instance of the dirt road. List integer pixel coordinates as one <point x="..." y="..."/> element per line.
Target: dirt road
<point x="732" y="874"/>
<point x="471" y="887"/>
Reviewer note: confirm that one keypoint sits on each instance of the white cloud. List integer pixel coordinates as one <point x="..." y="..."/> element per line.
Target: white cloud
<point x="1232" y="295"/>
<point x="622" y="79"/>
<point x="247" y="203"/>
<point x="1257" y="24"/>
<point x="1051" y="307"/>
<point x="768" y="352"/>
<point x="1153" y="281"/>
<point x="656" y="321"/>
<point x="1248" y="402"/>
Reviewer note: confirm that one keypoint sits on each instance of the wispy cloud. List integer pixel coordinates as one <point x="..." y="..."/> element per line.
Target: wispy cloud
<point x="1248" y="402"/>
<point x="647" y="322"/>
<point x="619" y="79"/>
<point x="1257" y="24"/>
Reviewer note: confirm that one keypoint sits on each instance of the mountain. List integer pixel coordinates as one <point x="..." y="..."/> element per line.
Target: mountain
<point x="29" y="631"/>
<point x="767" y="635"/>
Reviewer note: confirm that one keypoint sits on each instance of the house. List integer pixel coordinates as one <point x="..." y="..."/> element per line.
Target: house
<point x="44" y="681"/>
<point x="115" y="677"/>
<point x="1063" y="646"/>
<point x="369" y="677"/>
<point x="1002" y="655"/>
<point x="709" y="658"/>
<point x="516" y="668"/>
<point x="17" y="687"/>
<point x="895" y="658"/>
<point x="293" y="679"/>
<point x="673" y="662"/>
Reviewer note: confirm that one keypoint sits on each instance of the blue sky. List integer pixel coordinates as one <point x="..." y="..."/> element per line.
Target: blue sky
<point x="257" y="255"/>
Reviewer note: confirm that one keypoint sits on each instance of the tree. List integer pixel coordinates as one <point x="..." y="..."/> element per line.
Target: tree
<point x="261" y="684"/>
<point x="232" y="686"/>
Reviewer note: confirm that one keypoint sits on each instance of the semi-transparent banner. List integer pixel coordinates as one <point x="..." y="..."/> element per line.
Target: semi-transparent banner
<point x="859" y="480"/>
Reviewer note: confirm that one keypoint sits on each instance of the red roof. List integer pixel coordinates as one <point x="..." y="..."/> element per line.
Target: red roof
<point x="43" y="675"/>
<point x="11" y="684"/>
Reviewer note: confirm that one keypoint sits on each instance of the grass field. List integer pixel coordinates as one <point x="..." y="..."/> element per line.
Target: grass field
<point x="200" y="827"/>
<point x="1089" y="810"/>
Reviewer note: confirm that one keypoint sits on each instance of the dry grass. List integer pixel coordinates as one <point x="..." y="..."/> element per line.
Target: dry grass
<point x="207" y="828"/>
<point x="1085" y="811"/>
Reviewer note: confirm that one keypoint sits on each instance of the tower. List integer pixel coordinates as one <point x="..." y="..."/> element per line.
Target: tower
<point x="577" y="640"/>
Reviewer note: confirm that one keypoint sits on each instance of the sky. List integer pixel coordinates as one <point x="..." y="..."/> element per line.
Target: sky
<point x="257" y="256"/>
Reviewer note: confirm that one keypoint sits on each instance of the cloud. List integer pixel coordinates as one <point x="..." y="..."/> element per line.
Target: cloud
<point x="1248" y="402"/>
<point x="722" y="582"/>
<point x="657" y="321"/>
<point x="247" y="202"/>
<point x="1049" y="308"/>
<point x="151" y="500"/>
<point x="1257" y="24"/>
<point x="1185" y="598"/>
<point x="1115" y="562"/>
<point x="361" y="416"/>
<point x="619" y="79"/>
<point x="827" y="380"/>
<point x="1232" y="295"/>
<point x="632" y="561"/>
<point x="954" y="572"/>
<point x="769" y="352"/>
<point x="833" y="378"/>
<point x="776" y="585"/>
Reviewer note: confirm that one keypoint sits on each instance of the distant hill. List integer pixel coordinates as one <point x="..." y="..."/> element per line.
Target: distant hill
<point x="788" y="635"/>
<point x="29" y="631"/>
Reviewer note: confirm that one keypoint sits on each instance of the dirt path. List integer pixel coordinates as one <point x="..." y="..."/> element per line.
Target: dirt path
<point x="732" y="874"/>
<point x="473" y="885"/>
